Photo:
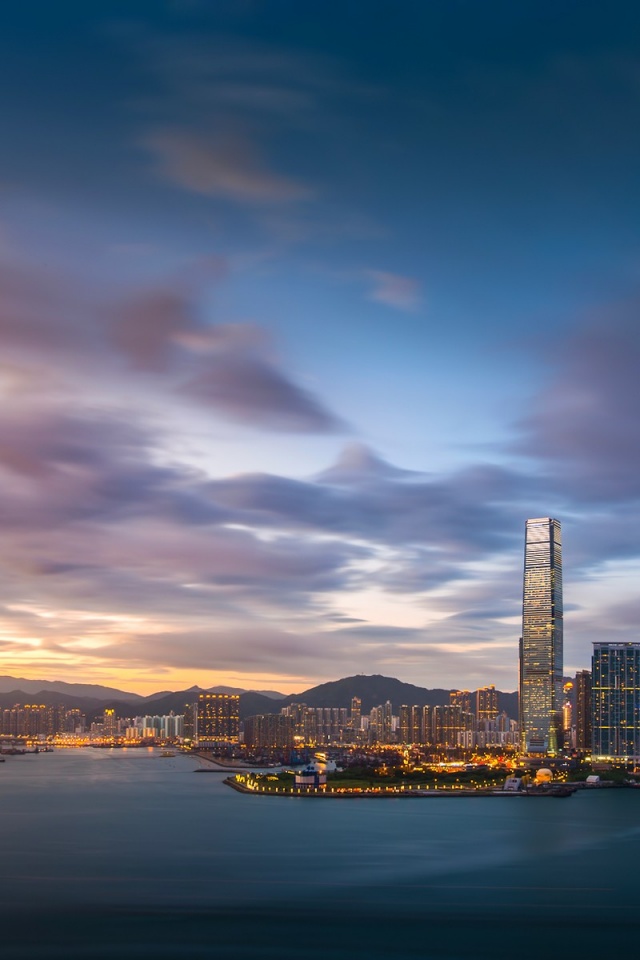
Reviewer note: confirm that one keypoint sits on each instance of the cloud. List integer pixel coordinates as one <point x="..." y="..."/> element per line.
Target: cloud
<point x="65" y="341"/>
<point x="43" y="312"/>
<point x="83" y="497"/>
<point x="227" y="367"/>
<point x="357" y="463"/>
<point x="148" y="329"/>
<point x="583" y="426"/>
<point x="112" y="557"/>
<point x="252" y="390"/>
<point x="101" y="540"/>
<point x="40" y="444"/>
<point x="228" y="166"/>
<point x="386" y="505"/>
<point x="402" y="293"/>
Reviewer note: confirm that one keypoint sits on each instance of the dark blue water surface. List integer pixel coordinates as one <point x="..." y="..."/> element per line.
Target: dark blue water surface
<point x="109" y="853"/>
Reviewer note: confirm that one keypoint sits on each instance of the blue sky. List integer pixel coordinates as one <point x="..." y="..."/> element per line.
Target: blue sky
<point x="305" y="308"/>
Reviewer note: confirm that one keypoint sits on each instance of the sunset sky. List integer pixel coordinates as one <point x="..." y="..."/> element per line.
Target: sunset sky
<point x="305" y="308"/>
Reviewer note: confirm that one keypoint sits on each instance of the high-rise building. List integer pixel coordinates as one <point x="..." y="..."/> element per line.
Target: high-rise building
<point x="486" y="703"/>
<point x="297" y="712"/>
<point x="387" y="722"/>
<point x="405" y="723"/>
<point x="616" y="701"/>
<point x="191" y="721"/>
<point x="381" y="723"/>
<point x="271" y="732"/>
<point x="426" y="728"/>
<point x="310" y="726"/>
<point x="417" y="727"/>
<point x="218" y="717"/>
<point x="356" y="714"/>
<point x="27" y="720"/>
<point x="452" y="727"/>
<point x="110" y="723"/>
<point x="376" y="724"/>
<point x="460" y="698"/>
<point x="411" y="724"/>
<point x="583" y="710"/>
<point x="567" y="724"/>
<point x="541" y="641"/>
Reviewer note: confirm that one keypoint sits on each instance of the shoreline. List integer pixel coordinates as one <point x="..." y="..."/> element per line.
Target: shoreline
<point x="227" y="767"/>
<point x="558" y="793"/>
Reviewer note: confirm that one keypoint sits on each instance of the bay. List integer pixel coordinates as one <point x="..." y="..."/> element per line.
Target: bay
<point x="109" y="853"/>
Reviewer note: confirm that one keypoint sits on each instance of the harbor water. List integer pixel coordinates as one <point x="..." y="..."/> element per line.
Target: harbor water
<point x="109" y="853"/>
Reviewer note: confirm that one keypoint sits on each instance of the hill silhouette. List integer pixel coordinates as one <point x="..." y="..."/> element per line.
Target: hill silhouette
<point x="377" y="689"/>
<point x="372" y="690"/>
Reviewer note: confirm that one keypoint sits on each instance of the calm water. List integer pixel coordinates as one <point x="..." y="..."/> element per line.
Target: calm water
<point x="109" y="853"/>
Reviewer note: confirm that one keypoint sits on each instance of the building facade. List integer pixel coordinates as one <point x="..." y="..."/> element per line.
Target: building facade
<point x="542" y="636"/>
<point x="460" y="698"/>
<point x="452" y="727"/>
<point x="616" y="701"/>
<point x="486" y="703"/>
<point x="270" y="733"/>
<point x="218" y="718"/>
<point x="355" y="717"/>
<point x="583" y="711"/>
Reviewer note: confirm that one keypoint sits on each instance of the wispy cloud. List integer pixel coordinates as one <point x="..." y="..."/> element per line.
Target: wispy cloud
<point x="250" y="389"/>
<point x="394" y="290"/>
<point x="227" y="166"/>
<point x="167" y="346"/>
<point x="583" y="425"/>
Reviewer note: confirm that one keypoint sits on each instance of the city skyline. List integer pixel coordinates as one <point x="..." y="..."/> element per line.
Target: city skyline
<point x="303" y="311"/>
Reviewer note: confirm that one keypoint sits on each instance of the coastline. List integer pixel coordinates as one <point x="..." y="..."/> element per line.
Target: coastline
<point x="389" y="794"/>
<point x="216" y="765"/>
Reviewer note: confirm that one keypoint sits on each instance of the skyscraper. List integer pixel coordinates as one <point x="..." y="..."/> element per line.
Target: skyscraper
<point x="218" y="717"/>
<point x="541" y="641"/>
<point x="616" y="701"/>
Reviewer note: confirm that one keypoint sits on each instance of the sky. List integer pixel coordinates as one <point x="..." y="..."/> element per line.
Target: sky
<point x="305" y="308"/>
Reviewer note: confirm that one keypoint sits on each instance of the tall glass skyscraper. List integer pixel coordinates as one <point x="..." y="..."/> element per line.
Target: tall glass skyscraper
<point x="616" y="701"/>
<point x="541" y="641"/>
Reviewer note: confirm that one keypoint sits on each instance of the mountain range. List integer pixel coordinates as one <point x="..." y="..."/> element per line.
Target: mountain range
<point x="93" y="699"/>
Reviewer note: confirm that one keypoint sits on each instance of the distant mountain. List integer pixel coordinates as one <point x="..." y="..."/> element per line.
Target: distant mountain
<point x="93" y="690"/>
<point x="157" y="696"/>
<point x="272" y="694"/>
<point x="176" y="701"/>
<point x="372" y="690"/>
<point x="252" y="703"/>
<point x="90" y="706"/>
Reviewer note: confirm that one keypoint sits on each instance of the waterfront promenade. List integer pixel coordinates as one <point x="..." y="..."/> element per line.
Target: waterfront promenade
<point x="257" y="788"/>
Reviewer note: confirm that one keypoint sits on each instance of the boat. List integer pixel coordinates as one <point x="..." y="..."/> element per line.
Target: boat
<point x="167" y="753"/>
